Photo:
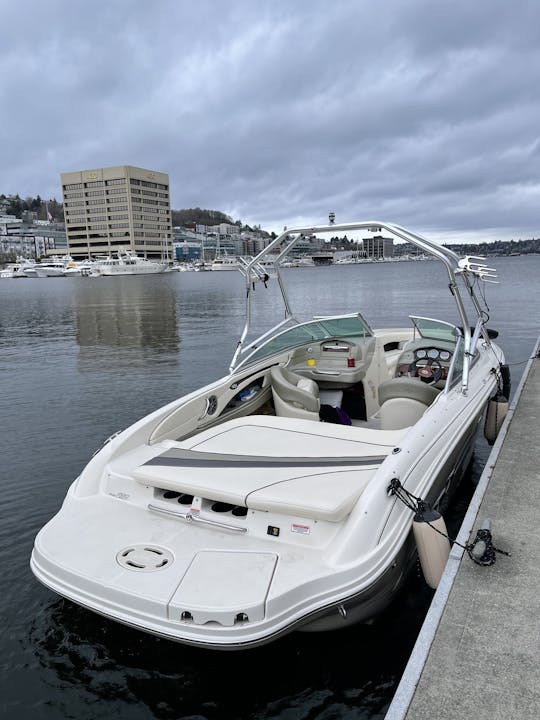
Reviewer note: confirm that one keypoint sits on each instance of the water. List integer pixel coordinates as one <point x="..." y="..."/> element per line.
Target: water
<point x="84" y="357"/>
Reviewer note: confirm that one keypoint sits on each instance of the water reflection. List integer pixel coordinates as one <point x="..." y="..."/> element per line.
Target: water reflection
<point x="126" y="312"/>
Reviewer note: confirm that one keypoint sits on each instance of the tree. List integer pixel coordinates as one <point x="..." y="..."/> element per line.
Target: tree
<point x="199" y="216"/>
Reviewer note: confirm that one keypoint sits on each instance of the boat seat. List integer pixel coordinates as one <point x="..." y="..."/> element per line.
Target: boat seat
<point x="403" y="401"/>
<point x="294" y="396"/>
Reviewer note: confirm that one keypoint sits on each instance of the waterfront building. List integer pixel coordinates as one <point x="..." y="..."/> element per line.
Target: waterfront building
<point x="188" y="245"/>
<point x="110" y="208"/>
<point x="33" y="240"/>
<point x="378" y="247"/>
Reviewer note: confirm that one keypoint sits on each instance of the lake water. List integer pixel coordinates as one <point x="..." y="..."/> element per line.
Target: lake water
<point x="81" y="358"/>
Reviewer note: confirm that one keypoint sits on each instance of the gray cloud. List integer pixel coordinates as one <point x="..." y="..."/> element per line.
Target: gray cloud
<point x="415" y="112"/>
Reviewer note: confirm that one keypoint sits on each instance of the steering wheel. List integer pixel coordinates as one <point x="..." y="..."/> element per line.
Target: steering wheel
<point x="430" y="371"/>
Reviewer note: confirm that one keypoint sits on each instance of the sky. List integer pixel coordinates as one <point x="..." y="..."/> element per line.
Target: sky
<point x="415" y="112"/>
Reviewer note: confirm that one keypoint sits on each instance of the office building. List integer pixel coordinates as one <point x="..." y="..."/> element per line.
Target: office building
<point x="116" y="207"/>
<point x="378" y="247"/>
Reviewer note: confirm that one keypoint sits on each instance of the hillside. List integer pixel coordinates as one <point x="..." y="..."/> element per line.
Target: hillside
<point x="17" y="206"/>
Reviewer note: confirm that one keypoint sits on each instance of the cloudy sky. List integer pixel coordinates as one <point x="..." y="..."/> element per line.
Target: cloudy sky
<point x="418" y="112"/>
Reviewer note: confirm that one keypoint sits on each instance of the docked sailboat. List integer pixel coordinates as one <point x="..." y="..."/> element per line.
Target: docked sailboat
<point x="265" y="502"/>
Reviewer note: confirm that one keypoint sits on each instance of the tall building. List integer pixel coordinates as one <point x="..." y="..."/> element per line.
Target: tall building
<point x="117" y="207"/>
<point x="378" y="247"/>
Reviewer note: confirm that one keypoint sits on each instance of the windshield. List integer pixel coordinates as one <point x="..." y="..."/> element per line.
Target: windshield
<point x="435" y="329"/>
<point x="348" y="326"/>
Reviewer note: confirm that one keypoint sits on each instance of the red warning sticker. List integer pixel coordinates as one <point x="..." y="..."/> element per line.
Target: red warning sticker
<point x="302" y="529"/>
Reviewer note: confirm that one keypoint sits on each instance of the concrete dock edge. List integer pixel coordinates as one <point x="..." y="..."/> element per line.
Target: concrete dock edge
<point x="407" y="687"/>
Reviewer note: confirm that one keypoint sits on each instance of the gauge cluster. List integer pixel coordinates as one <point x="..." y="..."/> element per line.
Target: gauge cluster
<point x="430" y="364"/>
<point x="432" y="354"/>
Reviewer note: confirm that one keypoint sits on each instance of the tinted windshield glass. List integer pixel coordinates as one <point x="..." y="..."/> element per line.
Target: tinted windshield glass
<point x="457" y="365"/>
<point x="435" y="329"/>
<point x="316" y="330"/>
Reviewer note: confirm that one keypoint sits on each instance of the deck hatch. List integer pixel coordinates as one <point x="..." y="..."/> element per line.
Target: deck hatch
<point x="224" y="588"/>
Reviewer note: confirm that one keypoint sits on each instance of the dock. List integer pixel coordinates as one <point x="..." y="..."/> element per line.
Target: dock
<point x="478" y="652"/>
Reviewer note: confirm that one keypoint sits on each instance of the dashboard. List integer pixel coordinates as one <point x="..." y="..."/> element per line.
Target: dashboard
<point x="428" y="362"/>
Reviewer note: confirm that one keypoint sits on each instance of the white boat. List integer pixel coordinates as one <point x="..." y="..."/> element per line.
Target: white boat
<point x="79" y="268"/>
<point x="30" y="269"/>
<point x="52" y="268"/>
<point x="127" y="262"/>
<point x="21" y="268"/>
<point x="225" y="262"/>
<point x="234" y="515"/>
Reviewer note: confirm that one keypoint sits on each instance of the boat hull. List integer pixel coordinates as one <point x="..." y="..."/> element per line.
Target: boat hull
<point x="150" y="269"/>
<point x="49" y="272"/>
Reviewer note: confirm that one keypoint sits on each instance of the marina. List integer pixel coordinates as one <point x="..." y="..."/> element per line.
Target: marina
<point x="87" y="358"/>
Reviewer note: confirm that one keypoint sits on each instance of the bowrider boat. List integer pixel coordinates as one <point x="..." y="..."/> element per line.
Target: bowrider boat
<point x="236" y="514"/>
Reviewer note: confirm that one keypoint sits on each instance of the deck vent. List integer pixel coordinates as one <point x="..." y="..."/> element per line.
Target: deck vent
<point x="222" y="507"/>
<point x="144" y="558"/>
<point x="185" y="499"/>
